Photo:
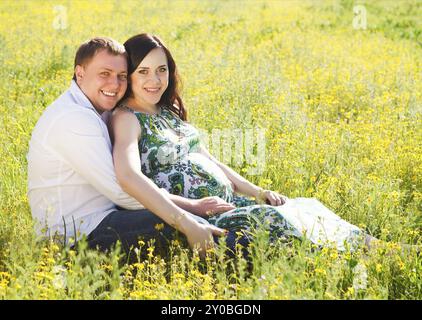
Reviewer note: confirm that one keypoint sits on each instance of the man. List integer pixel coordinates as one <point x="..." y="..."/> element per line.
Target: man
<point x="72" y="186"/>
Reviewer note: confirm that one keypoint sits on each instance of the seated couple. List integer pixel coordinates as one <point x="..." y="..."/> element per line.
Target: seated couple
<point x="114" y="156"/>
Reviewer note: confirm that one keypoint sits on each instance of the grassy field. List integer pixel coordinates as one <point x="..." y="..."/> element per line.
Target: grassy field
<point x="340" y="106"/>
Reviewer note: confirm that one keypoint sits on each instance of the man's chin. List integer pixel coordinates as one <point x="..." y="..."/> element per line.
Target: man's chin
<point x="104" y="107"/>
<point x="108" y="105"/>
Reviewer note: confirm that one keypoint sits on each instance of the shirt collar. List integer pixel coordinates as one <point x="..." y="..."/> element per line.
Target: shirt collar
<point x="80" y="97"/>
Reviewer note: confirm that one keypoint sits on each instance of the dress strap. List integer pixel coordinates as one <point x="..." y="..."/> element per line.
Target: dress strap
<point x="124" y="106"/>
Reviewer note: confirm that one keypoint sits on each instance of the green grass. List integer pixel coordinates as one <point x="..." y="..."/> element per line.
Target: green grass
<point x="341" y="109"/>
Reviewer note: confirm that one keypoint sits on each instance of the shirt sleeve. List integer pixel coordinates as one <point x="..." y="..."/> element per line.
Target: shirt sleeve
<point x="80" y="140"/>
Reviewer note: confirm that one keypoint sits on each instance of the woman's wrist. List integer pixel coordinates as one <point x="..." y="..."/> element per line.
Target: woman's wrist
<point x="260" y="196"/>
<point x="184" y="222"/>
<point x="258" y="192"/>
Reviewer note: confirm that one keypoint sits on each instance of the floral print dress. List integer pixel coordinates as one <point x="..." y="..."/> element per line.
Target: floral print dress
<point x="170" y="156"/>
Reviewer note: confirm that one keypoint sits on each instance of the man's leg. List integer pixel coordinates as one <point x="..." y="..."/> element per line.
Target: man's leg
<point x="232" y="240"/>
<point x="131" y="226"/>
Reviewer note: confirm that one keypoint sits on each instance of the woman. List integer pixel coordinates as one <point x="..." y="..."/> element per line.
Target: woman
<point x="150" y="125"/>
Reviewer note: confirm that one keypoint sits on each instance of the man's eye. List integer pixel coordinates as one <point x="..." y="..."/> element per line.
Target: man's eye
<point x="104" y="74"/>
<point x="123" y="77"/>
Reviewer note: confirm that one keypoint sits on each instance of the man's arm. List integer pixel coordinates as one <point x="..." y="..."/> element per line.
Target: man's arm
<point x="78" y="138"/>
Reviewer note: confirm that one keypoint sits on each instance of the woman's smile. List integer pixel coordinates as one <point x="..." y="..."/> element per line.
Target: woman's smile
<point x="152" y="90"/>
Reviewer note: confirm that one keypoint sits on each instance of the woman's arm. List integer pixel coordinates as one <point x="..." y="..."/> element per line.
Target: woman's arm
<point x="243" y="186"/>
<point x="126" y="157"/>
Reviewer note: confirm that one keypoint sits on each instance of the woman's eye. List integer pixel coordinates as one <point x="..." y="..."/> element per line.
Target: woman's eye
<point x="163" y="69"/>
<point x="143" y="71"/>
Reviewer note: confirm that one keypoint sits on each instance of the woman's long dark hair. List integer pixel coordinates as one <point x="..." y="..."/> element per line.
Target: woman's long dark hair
<point x="137" y="47"/>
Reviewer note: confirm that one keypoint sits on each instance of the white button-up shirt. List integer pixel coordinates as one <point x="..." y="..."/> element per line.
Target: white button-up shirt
<point x="72" y="184"/>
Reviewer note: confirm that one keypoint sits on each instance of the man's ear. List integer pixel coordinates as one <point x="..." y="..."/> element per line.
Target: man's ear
<point x="79" y="72"/>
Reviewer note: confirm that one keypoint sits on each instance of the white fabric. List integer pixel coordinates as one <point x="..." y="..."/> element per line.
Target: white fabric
<point x="71" y="175"/>
<point x="319" y="224"/>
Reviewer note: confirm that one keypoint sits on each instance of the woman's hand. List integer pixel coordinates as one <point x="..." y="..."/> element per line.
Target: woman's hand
<point x="200" y="236"/>
<point x="270" y="197"/>
<point x="209" y="206"/>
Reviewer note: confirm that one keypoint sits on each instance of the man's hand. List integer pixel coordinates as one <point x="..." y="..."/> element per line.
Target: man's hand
<point x="209" y="206"/>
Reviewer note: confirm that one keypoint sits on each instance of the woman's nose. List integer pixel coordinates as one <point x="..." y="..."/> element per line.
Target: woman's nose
<point x="155" y="77"/>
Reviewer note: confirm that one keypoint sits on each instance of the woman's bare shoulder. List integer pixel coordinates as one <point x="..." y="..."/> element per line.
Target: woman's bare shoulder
<point x="121" y="109"/>
<point x="123" y="117"/>
<point x="124" y="123"/>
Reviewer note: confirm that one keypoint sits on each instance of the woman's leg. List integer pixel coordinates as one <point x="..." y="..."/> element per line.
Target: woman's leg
<point x="373" y="244"/>
<point x="251" y="217"/>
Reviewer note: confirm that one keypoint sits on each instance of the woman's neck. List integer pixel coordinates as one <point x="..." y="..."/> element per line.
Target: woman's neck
<point x="137" y="105"/>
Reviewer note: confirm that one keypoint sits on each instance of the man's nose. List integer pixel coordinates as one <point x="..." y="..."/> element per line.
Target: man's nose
<point x="114" y="81"/>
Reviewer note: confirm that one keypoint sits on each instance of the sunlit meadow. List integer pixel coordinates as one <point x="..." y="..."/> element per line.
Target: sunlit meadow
<point x="335" y="85"/>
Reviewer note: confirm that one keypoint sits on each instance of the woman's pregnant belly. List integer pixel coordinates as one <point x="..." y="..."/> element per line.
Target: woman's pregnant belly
<point x="194" y="176"/>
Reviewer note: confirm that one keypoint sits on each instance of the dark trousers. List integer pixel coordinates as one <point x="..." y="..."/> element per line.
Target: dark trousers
<point x="129" y="227"/>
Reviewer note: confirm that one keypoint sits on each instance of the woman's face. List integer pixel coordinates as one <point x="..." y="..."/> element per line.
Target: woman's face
<point x="150" y="79"/>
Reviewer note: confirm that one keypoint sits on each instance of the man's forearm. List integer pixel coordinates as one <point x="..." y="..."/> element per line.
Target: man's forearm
<point x="179" y="201"/>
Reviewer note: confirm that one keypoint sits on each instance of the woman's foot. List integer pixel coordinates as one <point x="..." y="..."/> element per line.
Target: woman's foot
<point x="373" y="243"/>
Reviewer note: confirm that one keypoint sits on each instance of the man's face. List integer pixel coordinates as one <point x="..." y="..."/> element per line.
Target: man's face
<point x="103" y="79"/>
